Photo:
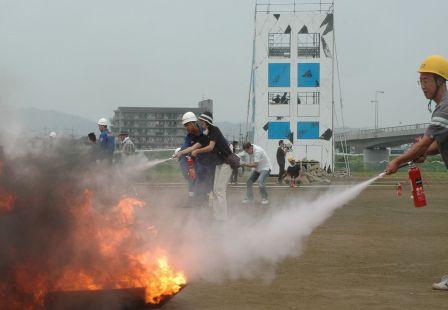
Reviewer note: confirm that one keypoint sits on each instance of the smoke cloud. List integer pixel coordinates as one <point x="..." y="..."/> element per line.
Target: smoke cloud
<point x="247" y="247"/>
<point x="56" y="199"/>
<point x="68" y="222"/>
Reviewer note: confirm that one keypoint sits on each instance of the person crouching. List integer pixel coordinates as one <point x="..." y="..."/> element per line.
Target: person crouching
<point x="259" y="161"/>
<point x="293" y="171"/>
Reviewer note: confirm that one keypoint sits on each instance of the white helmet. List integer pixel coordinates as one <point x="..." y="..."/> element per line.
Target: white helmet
<point x="52" y="134"/>
<point x="102" y="122"/>
<point x="189" y="117"/>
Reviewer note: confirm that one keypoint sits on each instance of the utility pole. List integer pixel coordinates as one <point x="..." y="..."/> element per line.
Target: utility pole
<point x="376" y="107"/>
<point x="241" y="137"/>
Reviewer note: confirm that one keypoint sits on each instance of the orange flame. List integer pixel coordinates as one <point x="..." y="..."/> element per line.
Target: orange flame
<point x="168" y="282"/>
<point x="119" y="243"/>
<point x="117" y="257"/>
<point x="157" y="276"/>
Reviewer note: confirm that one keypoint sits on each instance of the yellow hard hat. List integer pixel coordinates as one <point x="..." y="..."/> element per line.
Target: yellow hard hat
<point x="435" y="64"/>
<point x="290" y="158"/>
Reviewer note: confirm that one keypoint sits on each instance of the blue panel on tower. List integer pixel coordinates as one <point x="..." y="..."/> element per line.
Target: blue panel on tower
<point x="279" y="75"/>
<point x="308" y="75"/>
<point x="307" y="130"/>
<point x="278" y="130"/>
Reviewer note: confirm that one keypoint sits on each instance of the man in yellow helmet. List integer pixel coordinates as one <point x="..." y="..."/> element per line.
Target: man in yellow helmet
<point x="433" y="75"/>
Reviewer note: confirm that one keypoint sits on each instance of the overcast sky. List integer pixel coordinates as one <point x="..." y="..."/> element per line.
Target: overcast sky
<point x="87" y="57"/>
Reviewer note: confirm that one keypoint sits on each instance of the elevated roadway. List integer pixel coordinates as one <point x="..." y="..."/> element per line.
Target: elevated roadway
<point x="374" y="143"/>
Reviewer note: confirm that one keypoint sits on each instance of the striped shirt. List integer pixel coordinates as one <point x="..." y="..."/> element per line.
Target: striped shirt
<point x="438" y="129"/>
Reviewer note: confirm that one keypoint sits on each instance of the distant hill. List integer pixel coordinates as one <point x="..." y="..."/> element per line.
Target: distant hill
<point x="42" y="122"/>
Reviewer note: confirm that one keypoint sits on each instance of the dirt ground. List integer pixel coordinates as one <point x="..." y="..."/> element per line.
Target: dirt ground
<point x="377" y="252"/>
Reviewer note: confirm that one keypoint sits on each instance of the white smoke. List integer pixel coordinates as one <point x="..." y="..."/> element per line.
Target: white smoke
<point x="245" y="247"/>
<point x="139" y="163"/>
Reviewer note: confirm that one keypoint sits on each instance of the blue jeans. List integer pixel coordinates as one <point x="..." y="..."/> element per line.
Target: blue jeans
<point x="261" y="177"/>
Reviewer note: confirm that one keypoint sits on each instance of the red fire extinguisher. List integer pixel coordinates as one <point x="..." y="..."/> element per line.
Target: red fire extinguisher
<point x="418" y="193"/>
<point x="191" y="171"/>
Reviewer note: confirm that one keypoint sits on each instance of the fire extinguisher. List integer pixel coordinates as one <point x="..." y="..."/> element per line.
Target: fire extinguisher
<point x="418" y="193"/>
<point x="191" y="171"/>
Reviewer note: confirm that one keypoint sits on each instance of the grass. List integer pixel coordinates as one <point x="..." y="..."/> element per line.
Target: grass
<point x="432" y="169"/>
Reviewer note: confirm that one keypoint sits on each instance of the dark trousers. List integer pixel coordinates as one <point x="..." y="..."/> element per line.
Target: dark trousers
<point x="281" y="172"/>
<point x="234" y="177"/>
<point x="205" y="173"/>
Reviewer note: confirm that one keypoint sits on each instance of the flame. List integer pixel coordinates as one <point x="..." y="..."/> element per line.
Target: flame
<point x="159" y="280"/>
<point x="111" y="251"/>
<point x="119" y="243"/>
<point x="168" y="283"/>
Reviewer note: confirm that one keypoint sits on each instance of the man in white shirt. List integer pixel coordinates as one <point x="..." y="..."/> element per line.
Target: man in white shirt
<point x="259" y="161"/>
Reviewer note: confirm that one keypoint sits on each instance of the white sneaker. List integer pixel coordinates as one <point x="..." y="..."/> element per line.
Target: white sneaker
<point x="264" y="201"/>
<point x="442" y="285"/>
<point x="245" y="201"/>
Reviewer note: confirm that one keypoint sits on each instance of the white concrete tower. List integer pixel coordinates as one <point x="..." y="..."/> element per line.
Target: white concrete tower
<point x="292" y="80"/>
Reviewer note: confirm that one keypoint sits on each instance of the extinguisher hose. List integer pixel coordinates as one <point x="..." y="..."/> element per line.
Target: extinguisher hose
<point x="399" y="167"/>
<point x="405" y="164"/>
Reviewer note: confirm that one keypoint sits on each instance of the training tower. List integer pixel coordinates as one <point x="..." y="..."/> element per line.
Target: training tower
<point x="291" y="92"/>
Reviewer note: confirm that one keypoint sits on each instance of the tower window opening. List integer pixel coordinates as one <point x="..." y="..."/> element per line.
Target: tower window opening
<point x="307" y="98"/>
<point x="279" y="45"/>
<point x="308" y="45"/>
<point x="279" y="98"/>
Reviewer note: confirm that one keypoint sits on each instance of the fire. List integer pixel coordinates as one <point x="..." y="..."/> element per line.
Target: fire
<point x="109" y="250"/>
<point x="119" y="242"/>
<point x="169" y="282"/>
<point x="160" y="280"/>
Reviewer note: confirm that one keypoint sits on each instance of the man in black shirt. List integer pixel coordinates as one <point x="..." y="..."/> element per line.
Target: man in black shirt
<point x="281" y="161"/>
<point x="220" y="148"/>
